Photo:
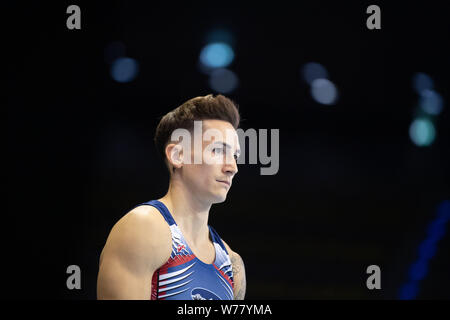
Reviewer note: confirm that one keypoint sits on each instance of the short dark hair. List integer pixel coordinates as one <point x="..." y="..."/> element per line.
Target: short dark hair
<point x="207" y="107"/>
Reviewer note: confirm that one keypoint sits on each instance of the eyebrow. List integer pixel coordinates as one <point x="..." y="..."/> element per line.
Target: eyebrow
<point x="227" y="146"/>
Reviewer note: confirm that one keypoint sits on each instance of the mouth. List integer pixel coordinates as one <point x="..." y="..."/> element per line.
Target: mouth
<point x="225" y="182"/>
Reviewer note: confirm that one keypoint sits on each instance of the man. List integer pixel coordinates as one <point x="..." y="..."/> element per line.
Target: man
<point x="165" y="249"/>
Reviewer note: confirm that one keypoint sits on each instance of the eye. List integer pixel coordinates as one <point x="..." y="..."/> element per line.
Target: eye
<point x="218" y="150"/>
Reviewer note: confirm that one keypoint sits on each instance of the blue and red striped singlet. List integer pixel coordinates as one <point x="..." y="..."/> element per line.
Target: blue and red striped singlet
<point x="184" y="276"/>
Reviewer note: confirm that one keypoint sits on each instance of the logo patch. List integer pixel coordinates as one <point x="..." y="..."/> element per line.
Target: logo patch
<point x="203" y="294"/>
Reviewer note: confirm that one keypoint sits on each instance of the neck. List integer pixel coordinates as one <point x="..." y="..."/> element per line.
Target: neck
<point x="190" y="213"/>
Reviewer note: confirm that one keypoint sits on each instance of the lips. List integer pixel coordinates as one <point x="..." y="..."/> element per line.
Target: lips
<point x="224" y="181"/>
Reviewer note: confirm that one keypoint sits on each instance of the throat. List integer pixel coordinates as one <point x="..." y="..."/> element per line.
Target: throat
<point x="205" y="252"/>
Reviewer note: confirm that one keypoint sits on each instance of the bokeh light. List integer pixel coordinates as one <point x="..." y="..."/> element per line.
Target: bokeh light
<point x="422" y="132"/>
<point x="421" y="82"/>
<point x="124" y="69"/>
<point x="312" y="71"/>
<point x="409" y="291"/>
<point x="216" y="55"/>
<point x="431" y="102"/>
<point x="324" y="91"/>
<point x="427" y="250"/>
<point x="418" y="270"/>
<point x="223" y="80"/>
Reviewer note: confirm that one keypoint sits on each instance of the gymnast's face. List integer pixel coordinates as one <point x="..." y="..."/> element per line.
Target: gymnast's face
<point x="211" y="179"/>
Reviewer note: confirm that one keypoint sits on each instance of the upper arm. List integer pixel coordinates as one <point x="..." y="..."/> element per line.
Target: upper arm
<point x="136" y="246"/>
<point x="240" y="282"/>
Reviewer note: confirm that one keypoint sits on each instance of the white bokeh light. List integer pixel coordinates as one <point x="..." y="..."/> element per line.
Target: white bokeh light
<point x="324" y="91"/>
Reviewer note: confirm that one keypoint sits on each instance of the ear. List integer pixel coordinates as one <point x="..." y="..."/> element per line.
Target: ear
<point x="174" y="154"/>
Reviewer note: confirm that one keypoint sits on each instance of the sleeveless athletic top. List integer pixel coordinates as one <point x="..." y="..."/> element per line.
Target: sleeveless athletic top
<point x="184" y="276"/>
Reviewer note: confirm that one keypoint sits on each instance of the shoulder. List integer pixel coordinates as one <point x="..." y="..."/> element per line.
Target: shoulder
<point x="142" y="233"/>
<point x="230" y="252"/>
<point x="238" y="268"/>
<point x="142" y="223"/>
<point x="235" y="258"/>
<point x="144" y="215"/>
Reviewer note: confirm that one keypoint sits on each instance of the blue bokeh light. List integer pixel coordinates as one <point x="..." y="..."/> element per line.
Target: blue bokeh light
<point x="312" y="71"/>
<point x="124" y="69"/>
<point x="418" y="270"/>
<point x="436" y="230"/>
<point x="431" y="102"/>
<point x="427" y="249"/>
<point x="216" y="55"/>
<point x="223" y="80"/>
<point x="409" y="291"/>
<point x="444" y="211"/>
<point x="421" y="82"/>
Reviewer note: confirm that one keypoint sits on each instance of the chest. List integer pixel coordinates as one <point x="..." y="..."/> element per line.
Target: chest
<point x="205" y="252"/>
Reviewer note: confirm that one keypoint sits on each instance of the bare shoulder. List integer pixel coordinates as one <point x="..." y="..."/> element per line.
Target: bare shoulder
<point x="142" y="233"/>
<point x="230" y="251"/>
<point x="240" y="282"/>
<point x="137" y="245"/>
<point x="146" y="216"/>
<point x="236" y="259"/>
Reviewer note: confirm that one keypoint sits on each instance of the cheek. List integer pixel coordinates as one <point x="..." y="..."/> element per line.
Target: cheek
<point x="200" y="175"/>
<point x="209" y="158"/>
<point x="207" y="175"/>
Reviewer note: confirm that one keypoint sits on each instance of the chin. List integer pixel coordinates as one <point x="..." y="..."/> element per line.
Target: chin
<point x="219" y="198"/>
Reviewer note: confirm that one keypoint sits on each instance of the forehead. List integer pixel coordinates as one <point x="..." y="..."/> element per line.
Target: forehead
<point x="217" y="124"/>
<point x="226" y="129"/>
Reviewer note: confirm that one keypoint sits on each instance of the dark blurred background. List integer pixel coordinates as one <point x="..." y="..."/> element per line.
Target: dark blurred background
<point x="364" y="139"/>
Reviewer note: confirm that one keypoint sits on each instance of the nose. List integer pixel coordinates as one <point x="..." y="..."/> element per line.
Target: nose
<point x="230" y="168"/>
